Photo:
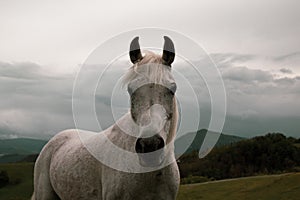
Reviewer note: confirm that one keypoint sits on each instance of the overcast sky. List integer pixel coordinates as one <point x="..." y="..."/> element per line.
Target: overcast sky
<point x="255" y="44"/>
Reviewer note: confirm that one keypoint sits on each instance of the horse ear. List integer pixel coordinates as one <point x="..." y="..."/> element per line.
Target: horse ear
<point x="135" y="51"/>
<point x="168" y="52"/>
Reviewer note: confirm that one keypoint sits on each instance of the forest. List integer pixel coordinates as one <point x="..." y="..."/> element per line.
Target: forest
<point x="270" y="154"/>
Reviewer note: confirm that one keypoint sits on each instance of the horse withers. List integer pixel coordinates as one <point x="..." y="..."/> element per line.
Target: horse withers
<point x="66" y="168"/>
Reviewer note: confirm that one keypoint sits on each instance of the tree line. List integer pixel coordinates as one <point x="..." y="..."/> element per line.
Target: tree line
<point x="269" y="154"/>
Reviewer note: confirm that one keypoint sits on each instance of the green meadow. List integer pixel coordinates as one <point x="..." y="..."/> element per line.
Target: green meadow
<point x="20" y="181"/>
<point x="269" y="187"/>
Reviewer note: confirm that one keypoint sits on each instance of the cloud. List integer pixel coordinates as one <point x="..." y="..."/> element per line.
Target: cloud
<point x="257" y="97"/>
<point x="228" y="59"/>
<point x="36" y="103"/>
<point x="286" y="71"/>
<point x="246" y="75"/>
<point x="287" y="56"/>
<point x="33" y="102"/>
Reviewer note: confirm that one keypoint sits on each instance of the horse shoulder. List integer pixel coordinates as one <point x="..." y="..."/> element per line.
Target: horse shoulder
<point x="73" y="170"/>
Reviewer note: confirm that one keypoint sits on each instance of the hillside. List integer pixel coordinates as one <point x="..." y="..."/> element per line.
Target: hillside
<point x="12" y="150"/>
<point x="269" y="154"/>
<point x="195" y="139"/>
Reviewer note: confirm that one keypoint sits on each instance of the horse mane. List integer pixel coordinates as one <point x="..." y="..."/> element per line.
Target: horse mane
<point x="154" y="70"/>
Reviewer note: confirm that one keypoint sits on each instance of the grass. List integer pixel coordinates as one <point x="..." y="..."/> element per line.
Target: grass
<point x="272" y="187"/>
<point x="297" y="145"/>
<point x="20" y="185"/>
<point x="194" y="179"/>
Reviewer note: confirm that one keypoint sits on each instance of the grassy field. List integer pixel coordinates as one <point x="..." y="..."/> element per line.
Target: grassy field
<point x="274" y="187"/>
<point x="20" y="181"/>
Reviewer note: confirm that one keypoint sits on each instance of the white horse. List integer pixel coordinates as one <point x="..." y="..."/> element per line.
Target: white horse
<point x="66" y="169"/>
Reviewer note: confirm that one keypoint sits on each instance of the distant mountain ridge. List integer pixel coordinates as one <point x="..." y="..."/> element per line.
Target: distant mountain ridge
<point x="13" y="150"/>
<point x="194" y="141"/>
<point x="25" y="149"/>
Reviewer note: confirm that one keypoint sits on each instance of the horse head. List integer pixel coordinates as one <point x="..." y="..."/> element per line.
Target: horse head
<point x="152" y="88"/>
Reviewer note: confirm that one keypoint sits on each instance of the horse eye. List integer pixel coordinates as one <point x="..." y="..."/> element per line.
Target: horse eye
<point x="173" y="87"/>
<point x="169" y="116"/>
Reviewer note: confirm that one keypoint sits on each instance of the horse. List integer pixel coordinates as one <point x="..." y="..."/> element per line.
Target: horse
<point x="65" y="168"/>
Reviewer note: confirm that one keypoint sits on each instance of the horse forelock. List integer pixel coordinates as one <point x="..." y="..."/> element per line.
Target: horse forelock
<point x="153" y="68"/>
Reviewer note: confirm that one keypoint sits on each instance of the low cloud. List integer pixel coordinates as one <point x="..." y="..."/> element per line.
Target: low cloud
<point x="246" y="75"/>
<point x="36" y="103"/>
<point x="286" y="71"/>
<point x="257" y="97"/>
<point x="287" y="56"/>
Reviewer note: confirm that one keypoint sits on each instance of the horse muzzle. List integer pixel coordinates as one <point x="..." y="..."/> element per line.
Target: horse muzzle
<point x="150" y="150"/>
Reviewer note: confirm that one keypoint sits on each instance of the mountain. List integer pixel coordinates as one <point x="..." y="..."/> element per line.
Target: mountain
<point x="12" y="150"/>
<point x="193" y="141"/>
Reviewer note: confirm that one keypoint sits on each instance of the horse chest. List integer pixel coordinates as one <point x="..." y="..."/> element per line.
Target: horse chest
<point x="73" y="177"/>
<point x="156" y="185"/>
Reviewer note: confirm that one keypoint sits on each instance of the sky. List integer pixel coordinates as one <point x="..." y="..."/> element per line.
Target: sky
<point x="255" y="45"/>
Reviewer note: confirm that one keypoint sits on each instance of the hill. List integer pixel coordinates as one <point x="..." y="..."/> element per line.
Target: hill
<point x="195" y="139"/>
<point x="269" y="154"/>
<point x="20" y="149"/>
<point x="12" y="150"/>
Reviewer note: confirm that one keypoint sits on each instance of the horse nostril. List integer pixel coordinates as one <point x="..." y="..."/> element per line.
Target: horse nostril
<point x="161" y="143"/>
<point x="147" y="145"/>
<point x="139" y="145"/>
